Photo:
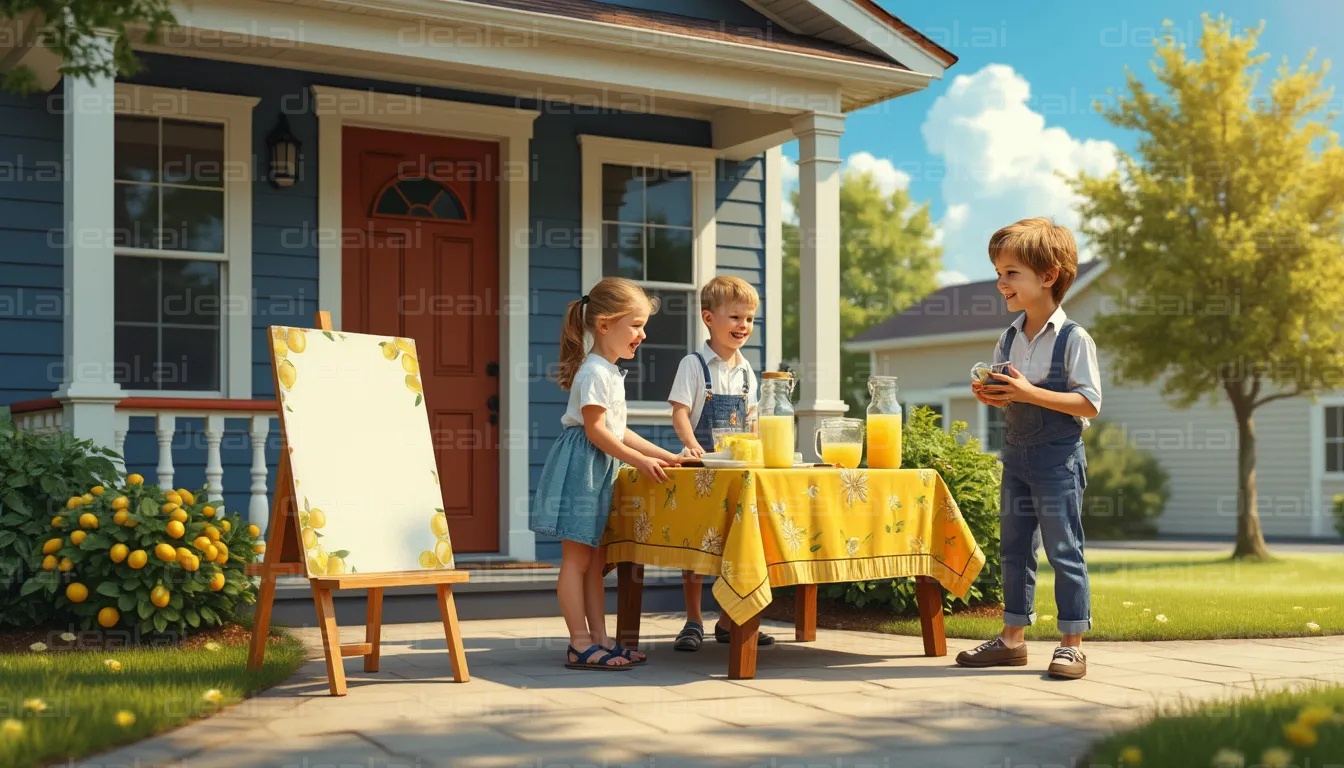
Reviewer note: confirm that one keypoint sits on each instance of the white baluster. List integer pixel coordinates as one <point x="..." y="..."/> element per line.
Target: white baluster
<point x="123" y="425"/>
<point x="165" y="424"/>
<point x="214" y="467"/>
<point x="259" y="509"/>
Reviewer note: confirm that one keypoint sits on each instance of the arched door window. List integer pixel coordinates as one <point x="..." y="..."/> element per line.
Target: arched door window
<point x="419" y="197"/>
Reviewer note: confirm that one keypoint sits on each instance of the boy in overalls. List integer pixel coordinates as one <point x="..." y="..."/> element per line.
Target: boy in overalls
<point x="715" y="388"/>
<point x="1051" y="390"/>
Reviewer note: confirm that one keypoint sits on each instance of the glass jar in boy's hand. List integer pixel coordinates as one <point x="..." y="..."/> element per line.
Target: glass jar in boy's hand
<point x="775" y="418"/>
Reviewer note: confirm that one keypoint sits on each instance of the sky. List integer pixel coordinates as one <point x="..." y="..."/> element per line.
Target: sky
<point x="981" y="146"/>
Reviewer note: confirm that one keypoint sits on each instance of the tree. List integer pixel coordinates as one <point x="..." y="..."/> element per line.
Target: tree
<point x="1225" y="231"/>
<point x="72" y="30"/>
<point x="887" y="262"/>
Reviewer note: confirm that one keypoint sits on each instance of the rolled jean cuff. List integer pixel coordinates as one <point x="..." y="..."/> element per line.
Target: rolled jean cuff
<point x="1074" y="627"/>
<point x="1018" y="620"/>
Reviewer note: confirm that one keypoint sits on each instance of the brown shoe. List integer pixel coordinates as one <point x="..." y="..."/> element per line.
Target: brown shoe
<point x="1068" y="663"/>
<point x="994" y="654"/>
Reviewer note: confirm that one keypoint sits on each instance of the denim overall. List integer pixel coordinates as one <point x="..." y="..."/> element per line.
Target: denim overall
<point x="719" y="409"/>
<point x="1044" y="474"/>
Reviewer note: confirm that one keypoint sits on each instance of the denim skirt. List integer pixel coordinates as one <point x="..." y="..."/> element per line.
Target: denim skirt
<point x="573" y="496"/>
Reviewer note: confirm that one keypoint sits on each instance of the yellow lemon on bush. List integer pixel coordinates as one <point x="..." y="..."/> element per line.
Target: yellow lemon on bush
<point x="96" y="490"/>
<point x="160" y="596"/>
<point x="309" y="538"/>
<point x="180" y="515"/>
<point x="66" y="565"/>
<point x="252" y="531"/>
<point x="169" y="508"/>
<point x="223" y="558"/>
<point x="137" y="559"/>
<point x="119" y="552"/>
<point x="317" y="518"/>
<point x="51" y="546"/>
<point x="211" y="533"/>
<point x="335" y="566"/>
<point x="77" y="537"/>
<point x="210" y="553"/>
<point x="413" y="383"/>
<point x="176" y="529"/>
<point x="226" y="525"/>
<point x="108" y="617"/>
<point x="187" y="496"/>
<point x="296" y="339"/>
<point x="121" y="517"/>
<point x="134" y="479"/>
<point x="260" y="549"/>
<point x="173" y="497"/>
<point x="190" y="562"/>
<point x="208" y="511"/>
<point x="76" y="592"/>
<point x="201" y="542"/>
<point x="165" y="552"/>
<point x="121" y="502"/>
<point x="287" y="374"/>
<point x="439" y="525"/>
<point x="49" y="563"/>
<point x="428" y="560"/>
<point x="73" y="502"/>
<point x="87" y="498"/>
<point x="216" y="582"/>
<point x="58" y="522"/>
<point x="410" y="364"/>
<point x="88" y="520"/>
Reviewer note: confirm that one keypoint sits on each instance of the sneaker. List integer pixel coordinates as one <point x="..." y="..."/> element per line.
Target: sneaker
<point x="994" y="654"/>
<point x="1068" y="663"/>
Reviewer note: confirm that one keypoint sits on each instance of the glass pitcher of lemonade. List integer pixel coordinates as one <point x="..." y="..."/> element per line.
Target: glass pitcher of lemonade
<point x="839" y="441"/>
<point x="774" y="418"/>
<point x="884" y="423"/>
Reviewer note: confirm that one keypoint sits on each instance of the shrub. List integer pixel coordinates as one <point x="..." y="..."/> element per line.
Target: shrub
<point x="973" y="479"/>
<point x="37" y="472"/>
<point x="136" y="556"/>
<point x="1126" y="487"/>
<point x="1338" y="502"/>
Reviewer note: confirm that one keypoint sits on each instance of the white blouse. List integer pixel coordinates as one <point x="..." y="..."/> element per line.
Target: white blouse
<point x="598" y="382"/>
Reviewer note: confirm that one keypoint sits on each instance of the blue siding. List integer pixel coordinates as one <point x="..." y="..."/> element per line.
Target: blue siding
<point x="728" y="11"/>
<point x="31" y="279"/>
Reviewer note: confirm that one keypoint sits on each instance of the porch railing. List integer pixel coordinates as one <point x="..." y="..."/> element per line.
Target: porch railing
<point x="47" y="415"/>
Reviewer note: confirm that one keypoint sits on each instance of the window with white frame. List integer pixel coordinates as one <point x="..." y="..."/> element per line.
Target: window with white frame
<point x="996" y="429"/>
<point x="182" y="215"/>
<point x="1334" y="438"/>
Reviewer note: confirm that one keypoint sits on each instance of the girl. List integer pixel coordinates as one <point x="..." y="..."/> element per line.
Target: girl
<point x="574" y="495"/>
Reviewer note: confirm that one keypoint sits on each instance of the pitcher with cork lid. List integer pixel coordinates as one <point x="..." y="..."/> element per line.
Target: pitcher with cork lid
<point x="775" y="418"/>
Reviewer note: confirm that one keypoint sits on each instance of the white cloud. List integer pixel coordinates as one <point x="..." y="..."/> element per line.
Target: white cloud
<point x="788" y="174"/>
<point x="884" y="173"/>
<point x="999" y="163"/>
<point x="951" y="277"/>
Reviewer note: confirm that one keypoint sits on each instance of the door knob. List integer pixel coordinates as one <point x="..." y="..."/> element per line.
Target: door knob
<point x="493" y="403"/>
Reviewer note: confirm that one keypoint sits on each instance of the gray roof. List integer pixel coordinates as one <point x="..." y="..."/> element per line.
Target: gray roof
<point x="954" y="309"/>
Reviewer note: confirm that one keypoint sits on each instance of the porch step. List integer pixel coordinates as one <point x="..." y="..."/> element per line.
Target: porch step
<point x="491" y="594"/>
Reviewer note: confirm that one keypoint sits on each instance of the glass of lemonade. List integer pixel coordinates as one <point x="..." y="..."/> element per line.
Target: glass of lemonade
<point x="884" y="423"/>
<point x="840" y="441"/>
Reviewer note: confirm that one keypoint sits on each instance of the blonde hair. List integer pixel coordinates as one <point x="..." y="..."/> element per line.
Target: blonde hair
<point x="725" y="290"/>
<point x="611" y="298"/>
<point x="1042" y="245"/>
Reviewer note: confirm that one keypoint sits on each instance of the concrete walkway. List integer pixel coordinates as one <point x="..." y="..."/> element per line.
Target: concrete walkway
<point x="848" y="700"/>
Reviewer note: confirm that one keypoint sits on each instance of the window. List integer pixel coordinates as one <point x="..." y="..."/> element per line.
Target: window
<point x="1334" y="438"/>
<point x="996" y="429"/>
<point x="182" y="176"/>
<point x="419" y="198"/>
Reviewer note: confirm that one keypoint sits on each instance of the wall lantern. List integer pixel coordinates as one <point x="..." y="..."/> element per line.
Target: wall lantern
<point x="284" y="154"/>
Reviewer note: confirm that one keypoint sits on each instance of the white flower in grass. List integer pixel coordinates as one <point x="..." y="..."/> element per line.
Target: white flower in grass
<point x="643" y="527"/>
<point x="68" y="637"/>
<point x="213" y="696"/>
<point x="1128" y="604"/>
<point x="1147" y="610"/>
<point x="1298" y="608"/>
<point x="1313" y="626"/>
<point x="38" y="647"/>
<point x="1228" y="758"/>
<point x="1161" y="618"/>
<point x="792" y="534"/>
<point x="712" y="542"/>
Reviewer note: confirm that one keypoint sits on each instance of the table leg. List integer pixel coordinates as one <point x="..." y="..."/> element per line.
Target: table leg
<point x="929" y="595"/>
<point x="742" y="650"/>
<point x="805" y="613"/>
<point x="629" y="603"/>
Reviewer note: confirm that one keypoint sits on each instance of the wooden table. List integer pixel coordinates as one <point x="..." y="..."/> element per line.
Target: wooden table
<point x="811" y="526"/>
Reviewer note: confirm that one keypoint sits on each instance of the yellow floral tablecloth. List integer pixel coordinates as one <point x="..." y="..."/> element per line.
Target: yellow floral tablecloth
<point x="760" y="528"/>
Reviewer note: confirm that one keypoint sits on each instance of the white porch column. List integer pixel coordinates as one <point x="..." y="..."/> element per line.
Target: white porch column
<point x="819" y="253"/>
<point x="88" y="389"/>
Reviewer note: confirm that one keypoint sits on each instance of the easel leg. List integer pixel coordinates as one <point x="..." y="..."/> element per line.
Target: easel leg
<point x="742" y="650"/>
<point x="331" y="640"/>
<point x="805" y="613"/>
<point x="629" y="603"/>
<point x="373" y="628"/>
<point x="456" y="651"/>
<point x="929" y="595"/>
<point x="261" y="621"/>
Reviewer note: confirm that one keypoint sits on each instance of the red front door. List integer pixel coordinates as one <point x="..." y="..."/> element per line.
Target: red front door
<point x="420" y="259"/>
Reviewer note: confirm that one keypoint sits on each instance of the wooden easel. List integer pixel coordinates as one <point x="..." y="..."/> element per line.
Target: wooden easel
<point x="283" y="556"/>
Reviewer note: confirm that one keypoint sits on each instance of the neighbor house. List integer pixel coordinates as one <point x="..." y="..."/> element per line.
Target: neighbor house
<point x="462" y="169"/>
<point x="1300" y="466"/>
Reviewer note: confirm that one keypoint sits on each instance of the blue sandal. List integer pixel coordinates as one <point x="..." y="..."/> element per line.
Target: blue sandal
<point x="585" y="659"/>
<point x="627" y="654"/>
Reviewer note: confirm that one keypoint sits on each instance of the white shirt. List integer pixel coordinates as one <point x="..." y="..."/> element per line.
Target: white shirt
<point x="1032" y="357"/>
<point x="688" y="388"/>
<point x="598" y="382"/>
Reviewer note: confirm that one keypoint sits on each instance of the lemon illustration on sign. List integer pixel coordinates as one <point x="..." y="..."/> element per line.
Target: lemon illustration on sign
<point x="405" y="345"/>
<point x="413" y="383"/>
<point x="409" y="363"/>
<point x="317" y="563"/>
<point x="297" y="340"/>
<point x="77" y="593"/>
<point x="108" y="617"/>
<point x="389" y="349"/>
<point x="335" y="566"/>
<point x="137" y="559"/>
<point x="309" y="538"/>
<point x="287" y="374"/>
<point x="316" y="518"/>
<point x="439" y="525"/>
<point x="279" y="347"/>
<point x="160" y="596"/>
<point x="428" y="560"/>
<point x="444" y="552"/>
<point x="165" y="552"/>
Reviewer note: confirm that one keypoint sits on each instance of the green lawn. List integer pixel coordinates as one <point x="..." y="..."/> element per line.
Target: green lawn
<point x="81" y="697"/>
<point x="1249" y="726"/>
<point x="1202" y="595"/>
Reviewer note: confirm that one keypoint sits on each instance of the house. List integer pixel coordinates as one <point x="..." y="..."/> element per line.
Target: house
<point x="1300" y="465"/>
<point x="453" y="171"/>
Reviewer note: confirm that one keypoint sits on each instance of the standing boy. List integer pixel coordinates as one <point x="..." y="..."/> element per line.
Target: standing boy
<point x="714" y="387"/>
<point x="1052" y="388"/>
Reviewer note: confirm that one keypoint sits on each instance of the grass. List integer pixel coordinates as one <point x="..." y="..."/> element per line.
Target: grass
<point x="163" y="688"/>
<point x="1202" y="596"/>
<point x="1249" y="726"/>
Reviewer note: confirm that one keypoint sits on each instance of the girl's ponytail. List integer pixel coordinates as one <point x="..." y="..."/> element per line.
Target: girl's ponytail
<point x="572" y="352"/>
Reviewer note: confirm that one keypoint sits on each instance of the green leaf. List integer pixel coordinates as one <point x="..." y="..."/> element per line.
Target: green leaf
<point x="144" y="608"/>
<point x="328" y="335"/>
<point x="109" y="589"/>
<point x="30" y="586"/>
<point x="418" y="398"/>
<point x="171" y="614"/>
<point x="340" y="553"/>
<point x="148" y="508"/>
<point x="126" y="603"/>
<point x="160" y="621"/>
<point x="7" y="538"/>
<point x="193" y="618"/>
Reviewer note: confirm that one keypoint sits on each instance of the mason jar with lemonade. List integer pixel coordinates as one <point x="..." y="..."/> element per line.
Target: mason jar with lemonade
<point x="775" y="419"/>
<point x="884" y="423"/>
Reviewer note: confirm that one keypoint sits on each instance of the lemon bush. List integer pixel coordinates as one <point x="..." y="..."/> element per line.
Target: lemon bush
<point x="140" y="557"/>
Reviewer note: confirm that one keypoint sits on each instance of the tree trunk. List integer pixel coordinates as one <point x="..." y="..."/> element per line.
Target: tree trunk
<point x="1250" y="539"/>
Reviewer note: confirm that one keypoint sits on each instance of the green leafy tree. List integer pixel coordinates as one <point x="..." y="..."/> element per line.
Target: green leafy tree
<point x="1126" y="487"/>
<point x="1225" y="232"/>
<point x="888" y="261"/>
<point x="72" y="30"/>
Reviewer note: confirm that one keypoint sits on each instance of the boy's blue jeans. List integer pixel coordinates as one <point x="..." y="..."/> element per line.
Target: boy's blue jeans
<point x="1041" y="501"/>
